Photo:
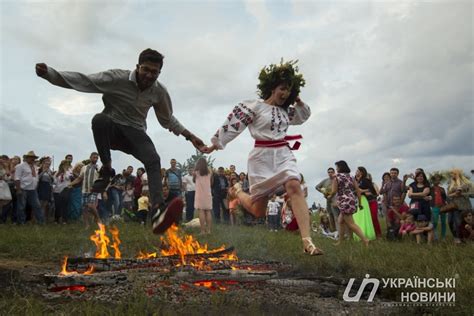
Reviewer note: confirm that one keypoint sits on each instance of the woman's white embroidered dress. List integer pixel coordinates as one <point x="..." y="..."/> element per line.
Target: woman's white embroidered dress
<point x="268" y="168"/>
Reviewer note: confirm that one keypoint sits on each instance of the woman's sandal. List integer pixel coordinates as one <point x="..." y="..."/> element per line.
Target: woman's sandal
<point x="310" y="248"/>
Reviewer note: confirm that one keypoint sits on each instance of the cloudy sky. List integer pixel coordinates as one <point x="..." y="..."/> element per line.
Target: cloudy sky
<point x="390" y="83"/>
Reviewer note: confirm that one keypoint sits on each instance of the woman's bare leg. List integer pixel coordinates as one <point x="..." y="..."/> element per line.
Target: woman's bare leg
<point x="300" y="210"/>
<point x="355" y="228"/>
<point x="202" y="220"/>
<point x="257" y="208"/>
<point x="342" y="229"/>
<point x="208" y="217"/>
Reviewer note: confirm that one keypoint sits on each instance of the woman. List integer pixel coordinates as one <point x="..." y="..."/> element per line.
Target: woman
<point x="138" y="186"/>
<point x="438" y="200"/>
<point x="458" y="193"/>
<point x="271" y="164"/>
<point x="244" y="182"/>
<point x="385" y="203"/>
<point x="367" y="189"/>
<point x="75" y="197"/>
<point x="202" y="176"/>
<point x="419" y="192"/>
<point x="45" y="185"/>
<point x="61" y="191"/>
<point x="348" y="194"/>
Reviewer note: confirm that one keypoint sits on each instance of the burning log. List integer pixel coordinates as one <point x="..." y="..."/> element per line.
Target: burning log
<point x="55" y="281"/>
<point x="111" y="264"/>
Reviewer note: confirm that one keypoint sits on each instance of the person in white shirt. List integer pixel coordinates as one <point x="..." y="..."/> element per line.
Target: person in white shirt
<point x="190" y="190"/>
<point x="272" y="214"/>
<point x="26" y="183"/>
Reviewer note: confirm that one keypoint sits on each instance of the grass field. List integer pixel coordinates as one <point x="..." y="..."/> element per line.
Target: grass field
<point x="48" y="244"/>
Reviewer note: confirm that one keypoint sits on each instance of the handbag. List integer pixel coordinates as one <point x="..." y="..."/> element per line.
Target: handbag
<point x="452" y="206"/>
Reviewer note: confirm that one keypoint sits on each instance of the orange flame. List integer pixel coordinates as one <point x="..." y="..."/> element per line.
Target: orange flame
<point x="115" y="236"/>
<point x="101" y="241"/>
<point x="64" y="271"/>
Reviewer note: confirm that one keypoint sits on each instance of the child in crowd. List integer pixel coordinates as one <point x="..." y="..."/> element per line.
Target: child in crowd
<point x="127" y="198"/>
<point x="202" y="177"/>
<point x="288" y="219"/>
<point x="272" y="214"/>
<point x="143" y="207"/>
<point x="407" y="225"/>
<point x="466" y="229"/>
<point x="423" y="228"/>
<point x="233" y="202"/>
<point x="324" y="226"/>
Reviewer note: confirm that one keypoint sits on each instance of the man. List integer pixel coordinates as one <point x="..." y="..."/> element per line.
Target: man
<point x="128" y="96"/>
<point x="128" y="175"/>
<point x="325" y="187"/>
<point x="219" y="194"/>
<point x="173" y="180"/>
<point x="26" y="182"/>
<point x="393" y="188"/>
<point x="232" y="169"/>
<point x="88" y="175"/>
<point x="68" y="157"/>
<point x="190" y="189"/>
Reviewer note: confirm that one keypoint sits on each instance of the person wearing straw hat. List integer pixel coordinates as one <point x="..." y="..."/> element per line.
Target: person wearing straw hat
<point x="26" y="183"/>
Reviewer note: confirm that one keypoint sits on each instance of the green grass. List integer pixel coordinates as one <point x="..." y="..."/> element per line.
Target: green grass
<point x="48" y="244"/>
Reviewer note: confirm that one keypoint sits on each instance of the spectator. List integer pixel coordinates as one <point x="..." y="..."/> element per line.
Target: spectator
<point x="233" y="202"/>
<point x="5" y="193"/>
<point x="397" y="212"/>
<point x="61" y="191"/>
<point x="115" y="190"/>
<point x="75" y="196"/>
<point x="394" y="187"/>
<point x="458" y="194"/>
<point x="128" y="175"/>
<point x="347" y="192"/>
<point x="69" y="158"/>
<point x="26" y="183"/>
<point x="272" y="214"/>
<point x="127" y="197"/>
<point x="190" y="191"/>
<point x="174" y="180"/>
<point x="466" y="229"/>
<point x="324" y="227"/>
<point x="325" y="188"/>
<point x="367" y="189"/>
<point x="424" y="228"/>
<point x="244" y="181"/>
<point x="137" y="186"/>
<point x="385" y="203"/>
<point x="45" y="185"/>
<point x="143" y="207"/>
<point x="203" y="202"/>
<point x="419" y="192"/>
<point x="89" y="173"/>
<point x="438" y="200"/>
<point x="407" y="225"/>
<point x="220" y="184"/>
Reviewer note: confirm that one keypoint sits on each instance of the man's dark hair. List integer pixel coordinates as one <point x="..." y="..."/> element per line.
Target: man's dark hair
<point x="150" y="55"/>
<point x="94" y="154"/>
<point x="395" y="169"/>
<point x="220" y="168"/>
<point x="68" y="155"/>
<point x="330" y="169"/>
<point x="343" y="167"/>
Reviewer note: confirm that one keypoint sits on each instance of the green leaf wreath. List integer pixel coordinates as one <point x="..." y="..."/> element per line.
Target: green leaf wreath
<point x="275" y="74"/>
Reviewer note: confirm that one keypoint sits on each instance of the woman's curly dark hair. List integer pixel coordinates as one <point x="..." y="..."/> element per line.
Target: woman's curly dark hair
<point x="284" y="73"/>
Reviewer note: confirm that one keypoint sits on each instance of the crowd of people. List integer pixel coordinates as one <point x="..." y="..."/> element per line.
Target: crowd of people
<point x="31" y="191"/>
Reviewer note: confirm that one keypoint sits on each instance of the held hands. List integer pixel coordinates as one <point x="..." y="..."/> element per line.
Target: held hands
<point x="41" y="69"/>
<point x="208" y="150"/>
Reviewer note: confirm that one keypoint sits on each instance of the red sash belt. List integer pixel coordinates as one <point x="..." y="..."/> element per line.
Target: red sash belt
<point x="280" y="143"/>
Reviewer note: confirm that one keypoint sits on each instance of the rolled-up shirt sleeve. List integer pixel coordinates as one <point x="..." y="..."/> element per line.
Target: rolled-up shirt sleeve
<point x="164" y="114"/>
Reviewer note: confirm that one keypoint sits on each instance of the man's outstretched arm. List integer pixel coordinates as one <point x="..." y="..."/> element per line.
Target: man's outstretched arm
<point x="96" y="83"/>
